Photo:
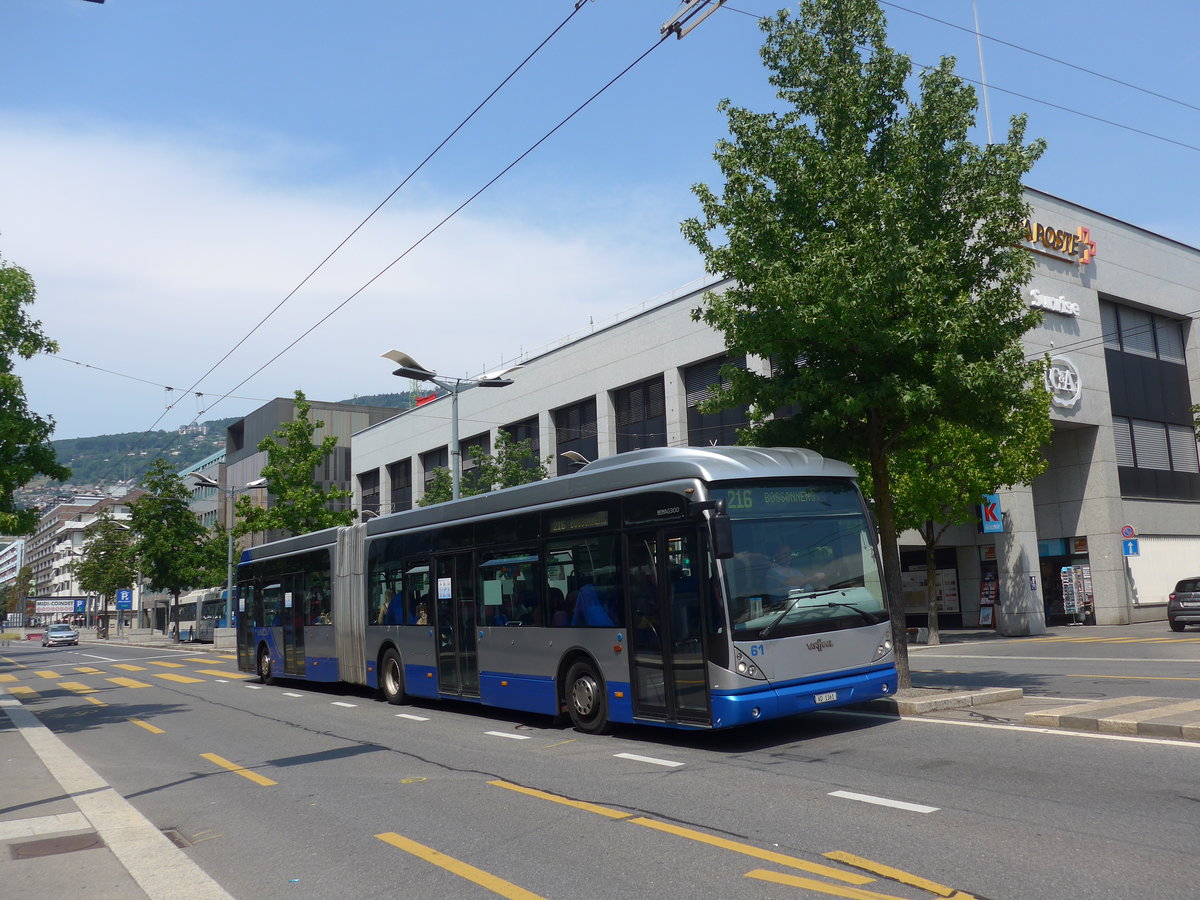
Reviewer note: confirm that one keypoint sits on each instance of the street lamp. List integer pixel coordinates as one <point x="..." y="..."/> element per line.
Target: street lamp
<point x="410" y="368"/>
<point x="231" y="492"/>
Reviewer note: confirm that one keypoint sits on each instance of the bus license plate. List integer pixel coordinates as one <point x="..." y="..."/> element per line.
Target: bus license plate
<point x="825" y="698"/>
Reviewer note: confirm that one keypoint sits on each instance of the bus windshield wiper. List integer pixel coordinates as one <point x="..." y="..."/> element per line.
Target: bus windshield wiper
<point x="862" y="612"/>
<point x="807" y="595"/>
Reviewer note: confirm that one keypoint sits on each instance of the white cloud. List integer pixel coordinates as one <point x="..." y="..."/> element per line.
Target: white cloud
<point x="154" y="254"/>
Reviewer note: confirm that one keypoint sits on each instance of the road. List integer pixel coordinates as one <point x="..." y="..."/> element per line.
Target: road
<point x="324" y="791"/>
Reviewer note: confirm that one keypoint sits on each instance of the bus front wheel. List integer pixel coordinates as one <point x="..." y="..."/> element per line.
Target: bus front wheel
<point x="585" y="699"/>
<point x="264" y="666"/>
<point x="391" y="678"/>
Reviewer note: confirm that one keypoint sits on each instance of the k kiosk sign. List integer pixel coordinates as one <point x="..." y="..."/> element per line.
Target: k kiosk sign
<point x="990" y="514"/>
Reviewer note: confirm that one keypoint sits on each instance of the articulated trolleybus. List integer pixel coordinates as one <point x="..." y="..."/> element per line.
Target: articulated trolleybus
<point x="680" y="587"/>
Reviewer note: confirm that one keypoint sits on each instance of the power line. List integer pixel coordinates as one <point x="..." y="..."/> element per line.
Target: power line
<point x="165" y="387"/>
<point x="455" y="211"/>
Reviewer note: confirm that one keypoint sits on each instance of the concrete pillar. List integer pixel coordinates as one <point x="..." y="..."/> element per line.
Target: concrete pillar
<point x="1021" y="610"/>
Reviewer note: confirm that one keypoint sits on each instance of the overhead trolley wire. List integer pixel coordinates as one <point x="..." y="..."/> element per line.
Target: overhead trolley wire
<point x="454" y="212"/>
<point x="577" y="6"/>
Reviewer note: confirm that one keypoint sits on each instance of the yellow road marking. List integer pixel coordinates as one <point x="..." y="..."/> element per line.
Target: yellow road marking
<point x="820" y="887"/>
<point x="182" y="679"/>
<point x="87" y="670"/>
<point x="554" y="798"/>
<point x="201" y="659"/>
<point x="7" y="679"/>
<point x="94" y="700"/>
<point x="218" y="673"/>
<point x="128" y="682"/>
<point x="23" y="691"/>
<point x="745" y="849"/>
<point x="46" y="673"/>
<point x="463" y="870"/>
<point x="77" y="686"/>
<point x="153" y="729"/>
<point x="239" y="770"/>
<point x="129" y="667"/>
<point x="869" y="865"/>
<point x="168" y="665"/>
<point x="12" y="662"/>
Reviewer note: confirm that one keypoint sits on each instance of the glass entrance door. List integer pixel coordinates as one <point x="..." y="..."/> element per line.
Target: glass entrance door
<point x="294" y="604"/>
<point x="457" y="625"/>
<point x="666" y="583"/>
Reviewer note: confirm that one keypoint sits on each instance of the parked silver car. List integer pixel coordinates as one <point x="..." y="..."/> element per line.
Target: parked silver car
<point x="1183" y="605"/>
<point x="58" y="635"/>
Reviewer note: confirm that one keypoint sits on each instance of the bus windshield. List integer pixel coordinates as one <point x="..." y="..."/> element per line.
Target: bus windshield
<point x="804" y="559"/>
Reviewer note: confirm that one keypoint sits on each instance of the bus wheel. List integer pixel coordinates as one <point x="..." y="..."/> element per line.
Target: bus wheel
<point x="391" y="678"/>
<point x="585" y="699"/>
<point x="264" y="666"/>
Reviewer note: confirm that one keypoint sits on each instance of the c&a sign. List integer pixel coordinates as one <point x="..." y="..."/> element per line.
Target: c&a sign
<point x="1075" y="247"/>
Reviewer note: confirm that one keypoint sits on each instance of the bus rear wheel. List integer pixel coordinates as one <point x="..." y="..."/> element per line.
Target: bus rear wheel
<point x="264" y="666"/>
<point x="391" y="678"/>
<point x="585" y="699"/>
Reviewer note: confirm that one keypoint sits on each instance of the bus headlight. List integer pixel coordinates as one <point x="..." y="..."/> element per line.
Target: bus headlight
<point x="744" y="667"/>
<point x="884" y="648"/>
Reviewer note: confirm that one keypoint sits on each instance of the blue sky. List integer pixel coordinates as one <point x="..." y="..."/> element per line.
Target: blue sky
<point x="170" y="171"/>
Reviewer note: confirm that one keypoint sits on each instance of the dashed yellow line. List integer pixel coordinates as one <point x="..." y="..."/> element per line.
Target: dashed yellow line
<point x="218" y="673"/>
<point x="7" y="678"/>
<point x="821" y="887"/>
<point x="181" y="679"/>
<point x="128" y="682"/>
<point x="885" y="871"/>
<point x="153" y="729"/>
<point x="491" y="882"/>
<point x="238" y="770"/>
<point x="93" y="700"/>
<point x="77" y="686"/>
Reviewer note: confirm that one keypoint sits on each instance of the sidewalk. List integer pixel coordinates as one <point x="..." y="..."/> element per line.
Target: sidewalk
<point x="65" y="830"/>
<point x="1156" y="717"/>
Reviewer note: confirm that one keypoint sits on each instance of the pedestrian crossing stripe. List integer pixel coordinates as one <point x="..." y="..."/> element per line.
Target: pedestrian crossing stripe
<point x="46" y="673"/>
<point x="128" y="682"/>
<point x="129" y="667"/>
<point x="88" y="670"/>
<point x="167" y="665"/>
<point x="77" y="686"/>
<point x="181" y="679"/>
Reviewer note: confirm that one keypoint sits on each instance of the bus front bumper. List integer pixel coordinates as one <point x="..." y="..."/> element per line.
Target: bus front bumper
<point x="796" y="698"/>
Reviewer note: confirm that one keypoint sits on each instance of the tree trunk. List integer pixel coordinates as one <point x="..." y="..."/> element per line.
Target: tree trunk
<point x="931" y="583"/>
<point x="885" y="516"/>
<point x="175" y="617"/>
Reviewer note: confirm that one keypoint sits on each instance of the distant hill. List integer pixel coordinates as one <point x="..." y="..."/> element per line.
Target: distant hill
<point x="108" y="458"/>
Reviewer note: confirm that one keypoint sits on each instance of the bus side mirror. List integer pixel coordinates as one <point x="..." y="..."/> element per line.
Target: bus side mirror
<point x="720" y="528"/>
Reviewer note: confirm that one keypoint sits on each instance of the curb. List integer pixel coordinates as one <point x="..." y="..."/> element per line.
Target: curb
<point x="917" y="701"/>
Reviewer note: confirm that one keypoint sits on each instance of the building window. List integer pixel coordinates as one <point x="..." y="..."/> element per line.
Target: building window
<point x="482" y="441"/>
<point x="527" y="431"/>
<point x="433" y="460"/>
<point x="400" y="474"/>
<point x="712" y="429"/>
<point x="368" y="486"/>
<point x="1150" y="399"/>
<point x="575" y="429"/>
<point x="641" y="414"/>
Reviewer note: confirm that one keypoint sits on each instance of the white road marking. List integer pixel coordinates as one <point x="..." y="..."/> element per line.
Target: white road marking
<point x="255" y="687"/>
<point x="505" y="734"/>
<point x="1083" y="660"/>
<point x="648" y="759"/>
<point x="883" y="801"/>
<point x="290" y="694"/>
<point x="346" y="705"/>
<point x="411" y="716"/>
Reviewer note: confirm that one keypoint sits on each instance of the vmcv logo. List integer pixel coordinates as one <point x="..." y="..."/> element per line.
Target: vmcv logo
<point x="820" y="645"/>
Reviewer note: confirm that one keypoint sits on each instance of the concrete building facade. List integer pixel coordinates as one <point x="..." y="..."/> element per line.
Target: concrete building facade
<point x="1124" y="372"/>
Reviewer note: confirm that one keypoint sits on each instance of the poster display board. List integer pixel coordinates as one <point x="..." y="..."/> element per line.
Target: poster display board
<point x="914" y="581"/>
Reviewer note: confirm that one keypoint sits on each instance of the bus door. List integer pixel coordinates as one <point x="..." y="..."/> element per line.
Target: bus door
<point x="665" y="616"/>
<point x="247" y="616"/>
<point x="295" y="603"/>
<point x="457" y="625"/>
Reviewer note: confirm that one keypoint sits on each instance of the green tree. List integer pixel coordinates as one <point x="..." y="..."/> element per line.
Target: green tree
<point x="939" y="480"/>
<point x="300" y="504"/>
<point x="108" y="562"/>
<point x="14" y="594"/>
<point x="170" y="543"/>
<point x="873" y="252"/>
<point x="513" y="463"/>
<point x="25" y="451"/>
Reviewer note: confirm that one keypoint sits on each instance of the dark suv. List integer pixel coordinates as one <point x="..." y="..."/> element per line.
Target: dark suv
<point x="1183" y="606"/>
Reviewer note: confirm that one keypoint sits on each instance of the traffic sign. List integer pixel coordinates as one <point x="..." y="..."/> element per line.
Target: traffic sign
<point x="125" y="598"/>
<point x="1130" y="547"/>
<point x="1128" y="531"/>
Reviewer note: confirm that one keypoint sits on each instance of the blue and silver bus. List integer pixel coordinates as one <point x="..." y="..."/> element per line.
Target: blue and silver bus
<point x="679" y="587"/>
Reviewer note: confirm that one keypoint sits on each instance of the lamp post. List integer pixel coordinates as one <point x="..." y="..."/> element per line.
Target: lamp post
<point x="231" y="492"/>
<point x="410" y="368"/>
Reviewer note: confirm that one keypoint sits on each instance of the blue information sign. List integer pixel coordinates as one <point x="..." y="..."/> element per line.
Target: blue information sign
<point x="990" y="514"/>
<point x="1130" y="547"/>
<point x="125" y="599"/>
